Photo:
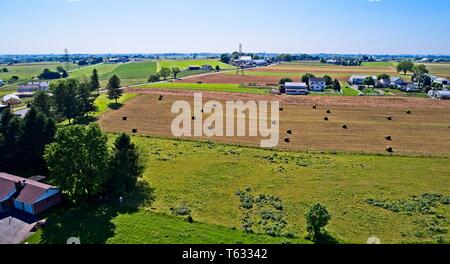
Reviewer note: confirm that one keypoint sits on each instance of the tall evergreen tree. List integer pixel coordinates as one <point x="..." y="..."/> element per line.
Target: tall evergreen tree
<point x="114" y="91"/>
<point x="125" y="166"/>
<point x="95" y="83"/>
<point x="37" y="131"/>
<point x="42" y="103"/>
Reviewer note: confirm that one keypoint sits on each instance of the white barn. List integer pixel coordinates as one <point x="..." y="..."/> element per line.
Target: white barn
<point x="296" y="88"/>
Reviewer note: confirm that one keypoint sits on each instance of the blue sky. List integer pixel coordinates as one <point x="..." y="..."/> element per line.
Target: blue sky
<point x="294" y="26"/>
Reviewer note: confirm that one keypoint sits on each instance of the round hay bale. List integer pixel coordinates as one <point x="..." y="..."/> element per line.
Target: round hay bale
<point x="134" y="130"/>
<point x="160" y="98"/>
<point x="408" y="112"/>
<point x="287" y="140"/>
<point x="314" y="106"/>
<point x="281" y="108"/>
<point x="289" y="131"/>
<point x="326" y="118"/>
<point x="388" y="138"/>
<point x="124" y="118"/>
<point x="345" y="127"/>
<point x="328" y="111"/>
<point x="203" y="111"/>
<point x="194" y="118"/>
<point x="389" y="118"/>
<point x="390" y="149"/>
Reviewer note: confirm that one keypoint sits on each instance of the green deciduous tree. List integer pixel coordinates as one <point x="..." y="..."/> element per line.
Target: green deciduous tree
<point x="175" y="71"/>
<point x="405" y="66"/>
<point x="66" y="101"/>
<point x="285" y="80"/>
<point x="369" y="81"/>
<point x="225" y="58"/>
<point x="114" y="91"/>
<point x="383" y="76"/>
<point x="164" y="73"/>
<point x="336" y="85"/>
<point x="125" y="166"/>
<point x="306" y="77"/>
<point x="317" y="217"/>
<point x="154" y="78"/>
<point x="78" y="161"/>
<point x="328" y="80"/>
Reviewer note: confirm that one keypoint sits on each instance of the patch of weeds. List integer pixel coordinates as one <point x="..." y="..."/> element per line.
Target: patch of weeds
<point x="181" y="211"/>
<point x="425" y="205"/>
<point x="263" y="213"/>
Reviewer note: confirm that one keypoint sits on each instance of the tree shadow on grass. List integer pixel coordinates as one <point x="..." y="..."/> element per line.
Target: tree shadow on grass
<point x="326" y="239"/>
<point x="115" y="106"/>
<point x="92" y="222"/>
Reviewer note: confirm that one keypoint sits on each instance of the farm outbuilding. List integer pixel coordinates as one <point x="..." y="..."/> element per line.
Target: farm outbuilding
<point x="442" y="95"/>
<point x="11" y="99"/>
<point x="26" y="195"/>
<point x="296" y="88"/>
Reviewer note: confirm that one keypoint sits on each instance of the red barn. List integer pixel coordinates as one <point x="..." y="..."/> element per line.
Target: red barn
<point x="26" y="195"/>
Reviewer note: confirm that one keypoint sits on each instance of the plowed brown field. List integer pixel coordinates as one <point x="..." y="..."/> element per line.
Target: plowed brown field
<point x="426" y="131"/>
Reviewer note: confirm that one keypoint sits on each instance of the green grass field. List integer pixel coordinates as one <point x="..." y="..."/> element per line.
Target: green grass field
<point x="130" y="73"/>
<point x="441" y="70"/>
<point x="184" y="64"/>
<point x="28" y="71"/>
<point x="205" y="177"/>
<point x="141" y="227"/>
<point x="232" y="88"/>
<point x="104" y="104"/>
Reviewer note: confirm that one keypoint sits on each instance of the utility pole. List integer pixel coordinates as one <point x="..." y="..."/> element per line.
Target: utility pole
<point x="67" y="59"/>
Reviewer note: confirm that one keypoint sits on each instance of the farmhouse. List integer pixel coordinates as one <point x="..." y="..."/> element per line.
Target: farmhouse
<point x="33" y="87"/>
<point x="359" y="79"/>
<point x="26" y="195"/>
<point x="383" y="83"/>
<point x="207" y="68"/>
<point x="296" y="88"/>
<point x="317" y="84"/>
<point x="398" y="82"/>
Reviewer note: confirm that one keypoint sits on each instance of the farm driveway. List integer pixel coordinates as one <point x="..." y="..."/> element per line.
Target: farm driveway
<point x="15" y="227"/>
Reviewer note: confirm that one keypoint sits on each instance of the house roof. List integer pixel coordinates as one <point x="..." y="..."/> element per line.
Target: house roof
<point x="6" y="187"/>
<point x="11" y="97"/>
<point x="295" y="84"/>
<point x="317" y="79"/>
<point x="31" y="191"/>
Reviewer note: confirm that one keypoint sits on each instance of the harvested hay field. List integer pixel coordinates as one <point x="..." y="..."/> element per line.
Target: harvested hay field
<point x="233" y="79"/>
<point x="355" y="124"/>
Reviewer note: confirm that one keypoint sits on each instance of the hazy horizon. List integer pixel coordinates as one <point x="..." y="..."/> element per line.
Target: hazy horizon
<point x="375" y="27"/>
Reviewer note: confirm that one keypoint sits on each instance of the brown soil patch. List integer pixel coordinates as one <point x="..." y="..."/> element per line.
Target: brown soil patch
<point x="232" y="79"/>
<point x="423" y="132"/>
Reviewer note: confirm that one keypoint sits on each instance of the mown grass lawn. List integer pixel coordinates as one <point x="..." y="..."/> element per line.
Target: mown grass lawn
<point x="104" y="103"/>
<point x="233" y="88"/>
<point x="205" y="177"/>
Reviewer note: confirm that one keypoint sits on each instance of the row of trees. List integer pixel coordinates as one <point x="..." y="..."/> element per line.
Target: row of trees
<point x="73" y="99"/>
<point x="22" y="141"/>
<point x="81" y="164"/>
